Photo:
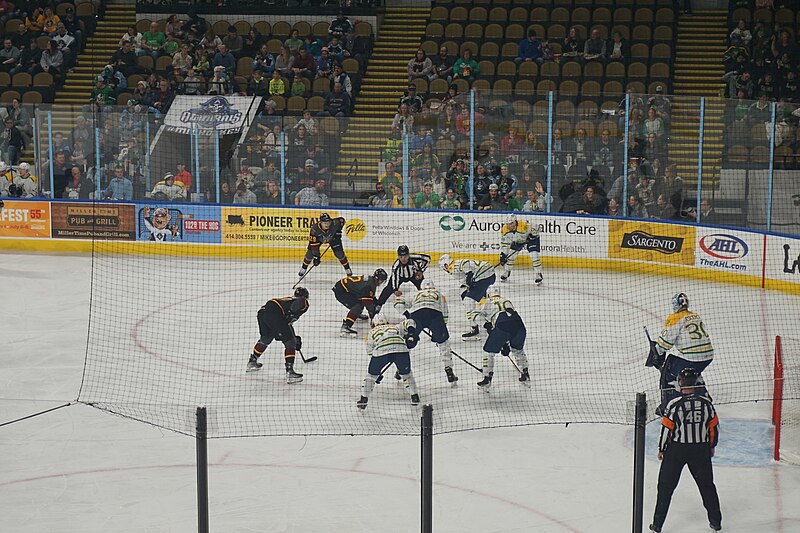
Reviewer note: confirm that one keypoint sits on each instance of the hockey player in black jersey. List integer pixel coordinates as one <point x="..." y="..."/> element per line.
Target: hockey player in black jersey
<point x="275" y="321"/>
<point x="329" y="231"/>
<point x="407" y="268"/>
<point x="357" y="293"/>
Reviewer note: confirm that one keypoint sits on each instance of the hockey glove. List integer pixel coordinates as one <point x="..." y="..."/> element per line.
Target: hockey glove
<point x="470" y="275"/>
<point x="506" y="350"/>
<point x="317" y="260"/>
<point x="503" y="258"/>
<point x="517" y="246"/>
<point x="654" y="358"/>
<point x="298" y="342"/>
<point x="411" y="341"/>
<point x="488" y="327"/>
<point x="464" y="292"/>
<point x="378" y="308"/>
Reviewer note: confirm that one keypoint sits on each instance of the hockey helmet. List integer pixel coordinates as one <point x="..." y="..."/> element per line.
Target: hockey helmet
<point x="379" y="320"/>
<point x="380" y="275"/>
<point x="402" y="250"/>
<point x="680" y="301"/>
<point x="493" y="291"/>
<point x="445" y="261"/>
<point x="324" y="217"/>
<point x="301" y="292"/>
<point x="688" y="377"/>
<point x="428" y="284"/>
<point x="509" y="220"/>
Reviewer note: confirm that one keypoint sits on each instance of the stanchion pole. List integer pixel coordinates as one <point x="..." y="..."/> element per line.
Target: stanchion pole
<point x="427" y="468"/>
<point x="638" y="461"/>
<point x="201" y="442"/>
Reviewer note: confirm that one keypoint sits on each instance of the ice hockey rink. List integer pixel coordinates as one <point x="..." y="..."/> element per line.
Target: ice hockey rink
<point x="79" y="469"/>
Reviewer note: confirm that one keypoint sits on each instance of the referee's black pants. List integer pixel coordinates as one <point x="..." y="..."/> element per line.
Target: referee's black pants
<point x="390" y="288"/>
<point x="698" y="458"/>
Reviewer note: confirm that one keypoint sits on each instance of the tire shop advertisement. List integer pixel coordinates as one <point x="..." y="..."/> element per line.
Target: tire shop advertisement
<point x="106" y="221"/>
<point x="164" y="222"/>
<point x="727" y="250"/>
<point x="651" y="242"/>
<point x="561" y="236"/>
<point x="25" y="219"/>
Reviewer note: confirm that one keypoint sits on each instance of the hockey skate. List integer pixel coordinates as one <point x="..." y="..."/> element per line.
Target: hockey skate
<point x="655" y="528"/>
<point x="525" y="378"/>
<point x="538" y="280"/>
<point x="486" y="382"/>
<point x="346" y="331"/>
<point x="362" y="403"/>
<point x="715" y="527"/>
<point x="253" y="364"/>
<point x="472" y="335"/>
<point x="451" y="378"/>
<point x="292" y="376"/>
<point x="303" y="270"/>
<point x="415" y="399"/>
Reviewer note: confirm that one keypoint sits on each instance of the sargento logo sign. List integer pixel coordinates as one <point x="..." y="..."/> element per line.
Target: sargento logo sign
<point x="452" y="223"/>
<point x="724" y="246"/>
<point x="641" y="240"/>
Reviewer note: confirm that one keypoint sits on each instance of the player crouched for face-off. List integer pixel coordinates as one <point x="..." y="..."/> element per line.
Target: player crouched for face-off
<point x="357" y="293"/>
<point x="506" y="335"/>
<point x="389" y="344"/>
<point x="476" y="277"/>
<point x="326" y="231"/>
<point x="516" y="235"/>
<point x="275" y="321"/>
<point x="428" y="310"/>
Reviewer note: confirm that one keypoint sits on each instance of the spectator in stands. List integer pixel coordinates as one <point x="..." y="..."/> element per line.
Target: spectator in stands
<point x="284" y="60"/>
<point x="427" y="199"/>
<point x="169" y="189"/>
<point x="759" y="112"/>
<point x="153" y="41"/>
<point x="464" y="119"/>
<point x="293" y="43"/>
<point x="594" y="49"/>
<point x="9" y="56"/>
<point x="22" y="36"/>
<point x="211" y="42"/>
<point x="202" y="65"/>
<point x="784" y="45"/>
<point x="264" y="60"/>
<point x="124" y="60"/>
<point x="582" y="149"/>
<point x="380" y="198"/>
<point x="340" y="26"/>
<point x="304" y="64"/>
<point x="337" y="102"/>
<point x="426" y="161"/>
<point x="653" y="124"/>
<point x="450" y="201"/>
<point x="653" y="148"/>
<point x="617" y="48"/>
<point x="443" y="65"/>
<point x="530" y="49"/>
<point x="224" y="58"/>
<point x="481" y="181"/>
<point x="258" y="85"/>
<point x="314" y="196"/>
<point x="572" y="47"/>
<point x="644" y="191"/>
<point x="243" y="195"/>
<point x="739" y="82"/>
<point x="183" y="60"/>
<point x="73" y="26"/>
<point x="492" y="201"/>
<point x="662" y="209"/>
<point x="357" y="47"/>
<point x="537" y="199"/>
<point x="340" y="76"/>
<point x="766" y="86"/>
<point x="225" y="193"/>
<point x="636" y="208"/>
<point x="12" y="143"/>
<point x="661" y="104"/>
<point x="171" y="46"/>
<point x="8" y="11"/>
<point x="789" y="88"/>
<point x="325" y="64"/>
<point x="103" y="94"/>
<point x="22" y="120"/>
<point x="120" y="187"/>
<point x="398" y="200"/>
<point x="390" y="176"/>
<point x="298" y="86"/>
<point x="419" y="140"/>
<point x="563" y="149"/>
<point x="163" y="97"/>
<point x="589" y="203"/>
<point x="183" y="175"/>
<point x="52" y="61"/>
<point x="618" y="187"/>
<point x="707" y="213"/>
<point x="466" y="67"/>
<point x="420" y="67"/>
<point x="506" y="182"/>
<point x="613" y="209"/>
<point x="412" y="100"/>
<point x="741" y="36"/>
<point x="49" y="22"/>
<point x="174" y="26"/>
<point x="277" y="85"/>
<point x="133" y="37"/>
<point x="511" y="145"/>
<point x="336" y="49"/>
<point x="233" y="42"/>
<point x="272" y="196"/>
<point x="34" y="21"/>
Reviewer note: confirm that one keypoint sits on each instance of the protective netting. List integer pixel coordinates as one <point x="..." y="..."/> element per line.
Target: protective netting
<point x="172" y="326"/>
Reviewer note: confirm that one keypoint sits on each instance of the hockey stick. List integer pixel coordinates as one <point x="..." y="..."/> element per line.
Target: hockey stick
<point x="512" y="254"/>
<point x="311" y="267"/>
<point x="309" y="360"/>
<point x="380" y="376"/>
<point x="454" y="353"/>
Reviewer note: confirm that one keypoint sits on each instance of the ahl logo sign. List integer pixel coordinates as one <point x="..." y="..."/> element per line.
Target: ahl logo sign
<point x="724" y="246"/>
<point x="641" y="240"/>
<point x="355" y="229"/>
<point x="454" y="223"/>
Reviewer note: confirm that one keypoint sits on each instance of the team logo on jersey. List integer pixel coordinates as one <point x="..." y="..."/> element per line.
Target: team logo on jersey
<point x="355" y="229"/>
<point x="641" y="240"/>
<point x="724" y="246"/>
<point x="794" y="266"/>
<point x="452" y="223"/>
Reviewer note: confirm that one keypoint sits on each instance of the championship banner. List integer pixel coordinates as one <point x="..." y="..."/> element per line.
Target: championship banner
<point x="93" y="221"/>
<point x="204" y="114"/>
<point x="25" y="219"/>
<point x="651" y="242"/>
<point x="164" y="222"/>
<point x="274" y="226"/>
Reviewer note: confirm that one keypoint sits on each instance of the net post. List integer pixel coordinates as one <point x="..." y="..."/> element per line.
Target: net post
<point x="427" y="468"/>
<point x="640" y="423"/>
<point x="201" y="445"/>
<point x="777" y="397"/>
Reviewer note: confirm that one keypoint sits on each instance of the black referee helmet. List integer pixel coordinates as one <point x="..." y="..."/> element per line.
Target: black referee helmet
<point x="688" y="377"/>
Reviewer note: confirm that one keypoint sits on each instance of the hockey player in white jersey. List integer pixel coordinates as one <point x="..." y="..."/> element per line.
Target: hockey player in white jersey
<point x="389" y="344"/>
<point x="506" y="335"/>
<point x="516" y="235"/>
<point x="475" y="277"/>
<point x="683" y="343"/>
<point x="429" y="311"/>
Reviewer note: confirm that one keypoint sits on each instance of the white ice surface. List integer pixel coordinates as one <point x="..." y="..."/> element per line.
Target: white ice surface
<point x="78" y="469"/>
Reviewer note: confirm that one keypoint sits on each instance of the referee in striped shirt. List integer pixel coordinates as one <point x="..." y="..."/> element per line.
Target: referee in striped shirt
<point x="407" y="268"/>
<point x="689" y="434"/>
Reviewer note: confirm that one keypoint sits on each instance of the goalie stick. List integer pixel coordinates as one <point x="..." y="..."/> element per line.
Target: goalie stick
<point x="311" y="267"/>
<point x="653" y="358"/>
